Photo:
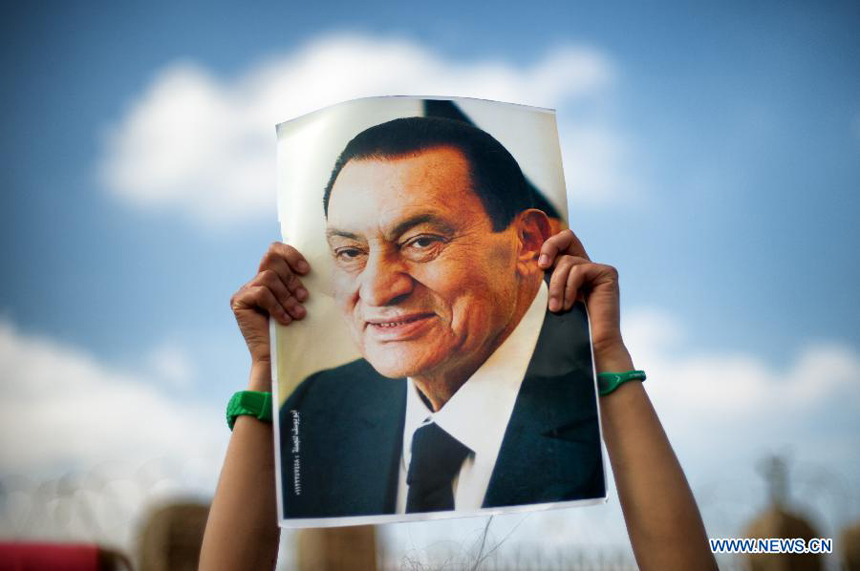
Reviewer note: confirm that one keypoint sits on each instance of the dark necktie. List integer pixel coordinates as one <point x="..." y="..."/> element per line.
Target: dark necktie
<point x="436" y="459"/>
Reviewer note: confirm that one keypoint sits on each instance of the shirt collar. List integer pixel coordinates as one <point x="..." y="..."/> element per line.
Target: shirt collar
<point x="478" y="413"/>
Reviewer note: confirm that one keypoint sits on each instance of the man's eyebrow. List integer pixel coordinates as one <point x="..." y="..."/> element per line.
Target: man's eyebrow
<point x="417" y="220"/>
<point x="399" y="229"/>
<point x="335" y="233"/>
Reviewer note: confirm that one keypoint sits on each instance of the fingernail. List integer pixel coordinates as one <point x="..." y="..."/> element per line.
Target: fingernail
<point x="303" y="266"/>
<point x="299" y="311"/>
<point x="553" y="304"/>
<point x="301" y="294"/>
<point x="543" y="260"/>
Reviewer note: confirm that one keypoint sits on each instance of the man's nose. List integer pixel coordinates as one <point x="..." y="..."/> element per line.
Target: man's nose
<point x="385" y="280"/>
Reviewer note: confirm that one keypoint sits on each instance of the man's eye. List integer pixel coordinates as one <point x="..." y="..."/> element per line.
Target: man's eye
<point x="423" y="242"/>
<point x="423" y="248"/>
<point x="347" y="253"/>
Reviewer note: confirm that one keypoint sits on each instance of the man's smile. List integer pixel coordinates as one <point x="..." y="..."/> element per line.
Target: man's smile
<point x="400" y="327"/>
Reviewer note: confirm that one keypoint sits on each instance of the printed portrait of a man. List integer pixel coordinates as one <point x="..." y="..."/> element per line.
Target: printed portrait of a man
<point x="468" y="393"/>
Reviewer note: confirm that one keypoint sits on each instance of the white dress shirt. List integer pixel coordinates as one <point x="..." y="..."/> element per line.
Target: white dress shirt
<point x="478" y="413"/>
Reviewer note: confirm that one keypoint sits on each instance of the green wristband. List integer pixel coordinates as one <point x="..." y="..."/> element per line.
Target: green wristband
<point x="608" y="382"/>
<point x="252" y="403"/>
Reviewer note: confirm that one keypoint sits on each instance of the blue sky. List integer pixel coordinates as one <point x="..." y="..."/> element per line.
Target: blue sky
<point x="719" y="149"/>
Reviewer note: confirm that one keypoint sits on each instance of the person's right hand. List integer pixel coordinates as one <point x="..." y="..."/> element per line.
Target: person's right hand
<point x="276" y="290"/>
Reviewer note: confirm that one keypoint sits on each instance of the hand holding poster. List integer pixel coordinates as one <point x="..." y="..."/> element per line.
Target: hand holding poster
<point x="429" y="378"/>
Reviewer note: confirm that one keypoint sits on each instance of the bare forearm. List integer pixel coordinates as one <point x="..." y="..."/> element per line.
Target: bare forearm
<point x="242" y="530"/>
<point x="663" y="522"/>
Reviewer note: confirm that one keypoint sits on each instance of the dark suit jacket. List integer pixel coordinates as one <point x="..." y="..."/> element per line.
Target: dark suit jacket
<point x="342" y="433"/>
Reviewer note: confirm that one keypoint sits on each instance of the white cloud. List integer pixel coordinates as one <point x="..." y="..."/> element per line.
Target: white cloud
<point x="734" y="386"/>
<point x="63" y="410"/>
<point x="174" y="365"/>
<point x="205" y="145"/>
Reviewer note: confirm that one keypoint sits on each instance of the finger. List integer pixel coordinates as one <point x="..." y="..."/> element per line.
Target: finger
<point x="262" y="297"/>
<point x="557" y="282"/>
<point x="584" y="277"/>
<point x="287" y="275"/>
<point x="272" y="280"/>
<point x="564" y="242"/>
<point x="294" y="258"/>
<point x="575" y="279"/>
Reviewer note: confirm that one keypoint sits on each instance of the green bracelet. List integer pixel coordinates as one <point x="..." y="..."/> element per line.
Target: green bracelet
<point x="608" y="382"/>
<point x="252" y="403"/>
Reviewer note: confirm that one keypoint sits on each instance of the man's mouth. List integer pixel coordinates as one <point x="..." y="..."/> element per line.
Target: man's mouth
<point x="397" y="321"/>
<point x="399" y="327"/>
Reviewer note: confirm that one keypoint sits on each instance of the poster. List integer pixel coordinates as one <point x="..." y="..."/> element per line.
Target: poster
<point x="428" y="380"/>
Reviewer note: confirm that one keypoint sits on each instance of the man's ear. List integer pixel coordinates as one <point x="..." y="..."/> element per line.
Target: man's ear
<point x="533" y="229"/>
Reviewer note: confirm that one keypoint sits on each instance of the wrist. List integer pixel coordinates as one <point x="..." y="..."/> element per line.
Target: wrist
<point x="260" y="378"/>
<point x="612" y="357"/>
<point x="249" y="403"/>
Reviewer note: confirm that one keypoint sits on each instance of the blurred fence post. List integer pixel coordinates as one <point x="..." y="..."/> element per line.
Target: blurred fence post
<point x="337" y="548"/>
<point x="172" y="536"/>
<point x="849" y="547"/>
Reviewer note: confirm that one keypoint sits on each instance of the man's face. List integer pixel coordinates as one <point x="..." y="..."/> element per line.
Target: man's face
<point x="424" y="284"/>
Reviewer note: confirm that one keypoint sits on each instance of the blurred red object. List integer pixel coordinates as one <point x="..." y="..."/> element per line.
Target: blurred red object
<point x="21" y="556"/>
